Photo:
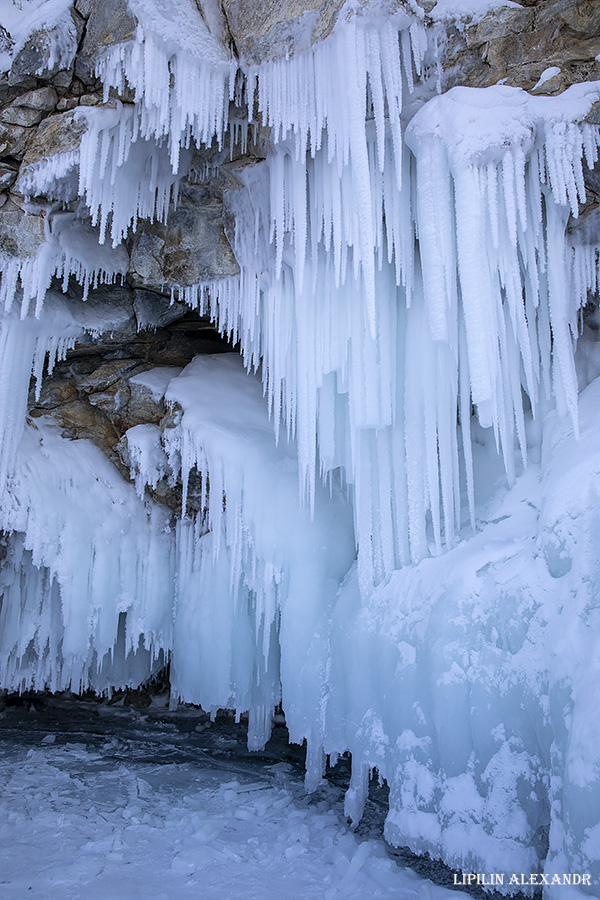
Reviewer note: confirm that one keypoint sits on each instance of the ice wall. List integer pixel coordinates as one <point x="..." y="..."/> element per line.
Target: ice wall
<point x="388" y="546"/>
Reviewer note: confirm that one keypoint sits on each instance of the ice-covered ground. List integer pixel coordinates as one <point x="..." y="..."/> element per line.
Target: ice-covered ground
<point x="102" y="801"/>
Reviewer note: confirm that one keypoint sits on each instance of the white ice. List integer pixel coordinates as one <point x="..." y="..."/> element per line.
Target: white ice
<point x="397" y="540"/>
<point x="22" y="17"/>
<point x="171" y="820"/>
<point x="474" y="10"/>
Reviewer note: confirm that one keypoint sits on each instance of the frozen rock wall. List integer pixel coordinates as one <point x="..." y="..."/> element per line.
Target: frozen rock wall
<point x="386" y="521"/>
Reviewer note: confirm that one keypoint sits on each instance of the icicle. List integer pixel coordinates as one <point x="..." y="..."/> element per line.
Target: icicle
<point x="179" y="92"/>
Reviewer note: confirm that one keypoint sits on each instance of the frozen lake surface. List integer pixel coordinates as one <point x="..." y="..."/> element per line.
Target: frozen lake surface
<point x="111" y="801"/>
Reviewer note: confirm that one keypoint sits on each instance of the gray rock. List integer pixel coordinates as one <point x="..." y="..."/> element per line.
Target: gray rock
<point x="30" y="108"/>
<point x="275" y="28"/>
<point x="8" y="175"/>
<point x="84" y="7"/>
<point x="592" y="179"/>
<point x="147" y="251"/>
<point x="593" y="117"/>
<point x="6" y="42"/>
<point x="44" y="98"/>
<point x="586" y="228"/>
<point x="143" y="407"/>
<point x="39" y="56"/>
<point x="190" y="249"/>
<point x="63" y="78"/>
<point x="14" y="140"/>
<point x="154" y="311"/>
<point x="108" y="23"/>
<point x="59" y="133"/>
<point x="21" y="115"/>
<point x="21" y="235"/>
<point x="107" y="313"/>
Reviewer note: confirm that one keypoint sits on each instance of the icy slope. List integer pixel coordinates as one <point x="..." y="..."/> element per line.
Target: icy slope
<point x="481" y="708"/>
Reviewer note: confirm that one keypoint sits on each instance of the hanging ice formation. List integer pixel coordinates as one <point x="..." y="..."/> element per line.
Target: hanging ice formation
<point x="410" y="295"/>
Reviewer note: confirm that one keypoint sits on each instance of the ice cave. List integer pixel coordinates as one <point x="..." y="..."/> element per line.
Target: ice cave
<point x="370" y="497"/>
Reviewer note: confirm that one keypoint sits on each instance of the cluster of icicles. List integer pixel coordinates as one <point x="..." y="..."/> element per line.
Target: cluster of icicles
<point x="385" y="286"/>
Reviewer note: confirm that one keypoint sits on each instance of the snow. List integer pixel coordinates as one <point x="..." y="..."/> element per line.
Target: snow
<point x="389" y="505"/>
<point x="546" y="75"/>
<point x="23" y="17"/>
<point x="156" y="380"/>
<point x="180" y="812"/>
<point x="474" y="10"/>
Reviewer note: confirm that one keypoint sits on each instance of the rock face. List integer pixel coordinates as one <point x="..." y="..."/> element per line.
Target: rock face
<point x="266" y="31"/>
<point x="191" y="248"/>
<point x="106" y="23"/>
<point x="21" y="235"/>
<point x="519" y="45"/>
<point x="93" y="394"/>
<point x="59" y="133"/>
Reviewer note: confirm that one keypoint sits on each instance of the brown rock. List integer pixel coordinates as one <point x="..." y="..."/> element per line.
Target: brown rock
<point x="278" y="28"/>
<point x="30" y="108"/>
<point x="66" y="104"/>
<point x="517" y="45"/>
<point x="60" y="133"/>
<point x="113" y="403"/>
<point x="90" y="100"/>
<point x="79" y="419"/>
<point x="14" y="140"/>
<point x="107" y="374"/>
<point x="54" y="392"/>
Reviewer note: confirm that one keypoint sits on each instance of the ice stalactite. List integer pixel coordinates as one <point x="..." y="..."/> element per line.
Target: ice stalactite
<point x="70" y="249"/>
<point x="181" y="75"/>
<point x="75" y="563"/>
<point x="274" y="569"/>
<point x="26" y="345"/>
<point x="476" y="299"/>
<point x="83" y="551"/>
<point x="123" y="176"/>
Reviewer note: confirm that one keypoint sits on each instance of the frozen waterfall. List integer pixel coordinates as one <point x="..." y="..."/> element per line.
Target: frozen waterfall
<point x="401" y="490"/>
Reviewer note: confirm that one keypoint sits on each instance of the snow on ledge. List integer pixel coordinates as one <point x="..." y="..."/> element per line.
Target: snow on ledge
<point x="475" y="10"/>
